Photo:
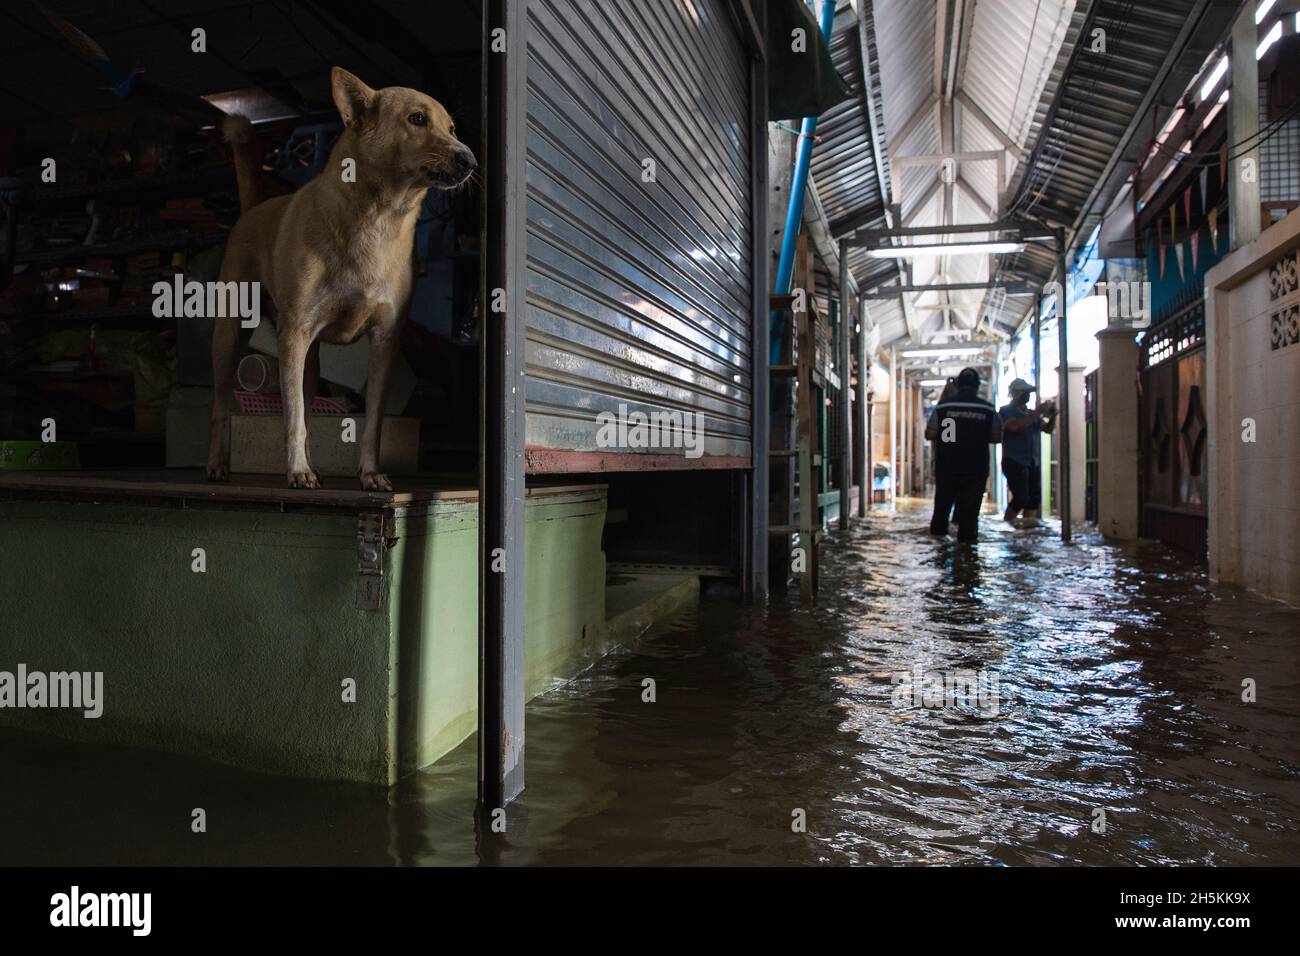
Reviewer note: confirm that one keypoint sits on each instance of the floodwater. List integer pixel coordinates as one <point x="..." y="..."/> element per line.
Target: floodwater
<point x="1118" y="691"/>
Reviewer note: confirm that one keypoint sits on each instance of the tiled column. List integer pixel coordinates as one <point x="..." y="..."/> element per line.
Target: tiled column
<point x="1078" y="447"/>
<point x="1117" y="433"/>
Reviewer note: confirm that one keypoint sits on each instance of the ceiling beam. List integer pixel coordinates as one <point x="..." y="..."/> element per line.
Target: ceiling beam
<point x="924" y="201"/>
<point x="936" y="159"/>
<point x="974" y="197"/>
<point x="969" y="104"/>
<point x="888" y="292"/>
<point x="1026" y="230"/>
<point x="912" y="122"/>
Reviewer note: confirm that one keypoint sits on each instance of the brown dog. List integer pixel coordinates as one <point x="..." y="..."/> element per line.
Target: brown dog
<point x="335" y="257"/>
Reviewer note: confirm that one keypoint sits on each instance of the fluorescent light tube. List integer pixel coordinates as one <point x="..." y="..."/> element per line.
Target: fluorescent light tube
<point x="1212" y="80"/>
<point x="1270" y="38"/>
<point x="945" y="249"/>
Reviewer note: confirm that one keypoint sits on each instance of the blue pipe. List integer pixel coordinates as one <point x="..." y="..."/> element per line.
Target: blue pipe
<point x="798" y="186"/>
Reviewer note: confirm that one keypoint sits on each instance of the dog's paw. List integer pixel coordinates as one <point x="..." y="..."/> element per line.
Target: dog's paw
<point x="218" y="473"/>
<point x="303" y="479"/>
<point x="374" y="481"/>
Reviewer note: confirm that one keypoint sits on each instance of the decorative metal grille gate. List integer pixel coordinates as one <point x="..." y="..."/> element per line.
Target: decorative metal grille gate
<point x="1174" y="429"/>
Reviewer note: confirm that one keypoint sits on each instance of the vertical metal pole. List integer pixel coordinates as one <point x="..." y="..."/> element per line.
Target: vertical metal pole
<point x="501" y="431"/>
<point x="761" y="410"/>
<point x="1038" y="350"/>
<point x="995" y="386"/>
<point x="893" y="426"/>
<point x="845" y="362"/>
<point x="863" y="416"/>
<point x="1063" y="398"/>
<point x="1037" y="376"/>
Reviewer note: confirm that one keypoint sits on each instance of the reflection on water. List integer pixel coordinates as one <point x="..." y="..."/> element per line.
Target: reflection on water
<point x="1118" y="678"/>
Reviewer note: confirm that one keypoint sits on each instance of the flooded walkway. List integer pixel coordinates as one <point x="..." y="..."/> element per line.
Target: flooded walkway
<point x="1118" y="689"/>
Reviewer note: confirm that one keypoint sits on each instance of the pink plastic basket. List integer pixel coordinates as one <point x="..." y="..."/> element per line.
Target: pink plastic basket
<point x="270" y="403"/>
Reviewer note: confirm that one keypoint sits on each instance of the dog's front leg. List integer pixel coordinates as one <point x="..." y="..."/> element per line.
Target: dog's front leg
<point x="295" y="341"/>
<point x="383" y="350"/>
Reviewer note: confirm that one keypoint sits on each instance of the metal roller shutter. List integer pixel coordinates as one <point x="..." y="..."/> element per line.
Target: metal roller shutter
<point x="638" y="292"/>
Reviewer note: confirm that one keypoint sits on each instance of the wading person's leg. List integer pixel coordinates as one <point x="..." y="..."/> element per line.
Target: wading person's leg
<point x="1033" y="493"/>
<point x="945" y="493"/>
<point x="1016" y="488"/>
<point x="970" y="496"/>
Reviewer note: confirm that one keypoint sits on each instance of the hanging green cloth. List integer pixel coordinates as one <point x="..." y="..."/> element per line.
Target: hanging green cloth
<point x="799" y="83"/>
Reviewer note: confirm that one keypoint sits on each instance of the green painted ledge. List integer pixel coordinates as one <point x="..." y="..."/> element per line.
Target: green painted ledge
<point x="245" y="662"/>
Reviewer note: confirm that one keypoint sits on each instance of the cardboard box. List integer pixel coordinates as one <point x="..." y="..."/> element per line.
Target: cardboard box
<point x="257" y="445"/>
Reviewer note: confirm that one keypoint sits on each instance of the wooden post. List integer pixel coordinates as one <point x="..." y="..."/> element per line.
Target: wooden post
<point x="863" y="423"/>
<point x="845" y="363"/>
<point x="806" y="352"/>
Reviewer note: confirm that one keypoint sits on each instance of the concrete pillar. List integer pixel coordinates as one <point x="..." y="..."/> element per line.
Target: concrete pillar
<point x="918" y="441"/>
<point x="1117" y="433"/>
<point x="1077" y="425"/>
<point x="1243" y="124"/>
<point x="904" y="448"/>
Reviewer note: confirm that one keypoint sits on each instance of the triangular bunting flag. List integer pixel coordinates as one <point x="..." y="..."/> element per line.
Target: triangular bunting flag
<point x="1173" y="224"/>
<point x="1187" y="205"/>
<point x="1178" y="254"/>
<point x="1196" y="241"/>
<point x="1204" y="181"/>
<point x="1163" y="250"/>
<point x="1214" y="229"/>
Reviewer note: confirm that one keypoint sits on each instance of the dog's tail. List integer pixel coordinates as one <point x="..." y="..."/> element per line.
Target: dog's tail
<point x="238" y="131"/>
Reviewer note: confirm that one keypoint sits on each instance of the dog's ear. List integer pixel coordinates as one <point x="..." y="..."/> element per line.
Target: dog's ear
<point x="353" y="98"/>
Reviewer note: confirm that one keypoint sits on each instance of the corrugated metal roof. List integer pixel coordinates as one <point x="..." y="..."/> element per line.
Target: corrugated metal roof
<point x="1030" y="69"/>
<point x="1089" y="102"/>
<point x="842" y="164"/>
<point x="1006" y="49"/>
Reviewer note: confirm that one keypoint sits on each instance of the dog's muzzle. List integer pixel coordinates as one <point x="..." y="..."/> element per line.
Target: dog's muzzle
<point x="458" y="170"/>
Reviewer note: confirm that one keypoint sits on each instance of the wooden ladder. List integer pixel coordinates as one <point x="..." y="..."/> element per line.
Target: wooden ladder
<point x="794" y="435"/>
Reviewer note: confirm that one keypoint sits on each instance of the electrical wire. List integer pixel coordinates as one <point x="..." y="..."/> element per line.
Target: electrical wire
<point x="1238" y="149"/>
<point x="1032" y="188"/>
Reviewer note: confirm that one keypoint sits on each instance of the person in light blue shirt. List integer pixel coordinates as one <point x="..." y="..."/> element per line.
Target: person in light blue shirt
<point x="1021" y="444"/>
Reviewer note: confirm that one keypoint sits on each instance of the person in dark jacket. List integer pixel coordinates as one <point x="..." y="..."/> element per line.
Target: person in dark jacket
<point x="1022" y="427"/>
<point x="961" y="428"/>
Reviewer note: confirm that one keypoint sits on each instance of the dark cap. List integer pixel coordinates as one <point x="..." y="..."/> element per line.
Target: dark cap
<point x="968" y="378"/>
